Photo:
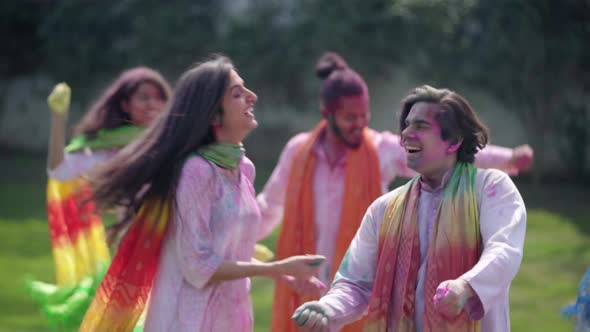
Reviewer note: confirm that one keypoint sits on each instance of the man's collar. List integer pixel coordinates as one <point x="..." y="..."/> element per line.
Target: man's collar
<point x="426" y="187"/>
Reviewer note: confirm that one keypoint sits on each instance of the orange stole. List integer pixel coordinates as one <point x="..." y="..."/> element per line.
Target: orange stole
<point x="123" y="293"/>
<point x="362" y="186"/>
<point x="77" y="234"/>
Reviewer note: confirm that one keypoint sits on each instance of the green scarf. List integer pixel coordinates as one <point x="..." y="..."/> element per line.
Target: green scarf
<point x="224" y="155"/>
<point x="106" y="138"/>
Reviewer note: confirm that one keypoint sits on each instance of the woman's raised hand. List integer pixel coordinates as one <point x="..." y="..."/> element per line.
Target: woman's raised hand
<point x="59" y="99"/>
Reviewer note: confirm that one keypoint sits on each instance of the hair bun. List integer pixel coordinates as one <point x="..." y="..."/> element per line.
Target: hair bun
<point x="329" y="62"/>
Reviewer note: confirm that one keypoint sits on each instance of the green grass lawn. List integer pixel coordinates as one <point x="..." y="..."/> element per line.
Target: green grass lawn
<point x="556" y="255"/>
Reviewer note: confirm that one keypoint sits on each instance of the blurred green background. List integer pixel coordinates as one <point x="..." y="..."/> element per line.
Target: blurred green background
<point x="524" y="65"/>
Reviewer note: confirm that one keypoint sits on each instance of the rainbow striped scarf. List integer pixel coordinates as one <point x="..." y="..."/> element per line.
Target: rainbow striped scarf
<point x="77" y="233"/>
<point x="79" y="245"/>
<point x="76" y="230"/>
<point x="454" y="248"/>
<point x="123" y="294"/>
<point x="124" y="291"/>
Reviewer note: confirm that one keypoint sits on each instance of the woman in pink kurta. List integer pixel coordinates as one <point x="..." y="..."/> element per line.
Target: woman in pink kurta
<point x="217" y="219"/>
<point x="191" y="214"/>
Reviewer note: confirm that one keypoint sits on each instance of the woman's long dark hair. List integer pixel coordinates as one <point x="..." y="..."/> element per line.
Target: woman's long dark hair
<point x="150" y="166"/>
<point x="106" y="112"/>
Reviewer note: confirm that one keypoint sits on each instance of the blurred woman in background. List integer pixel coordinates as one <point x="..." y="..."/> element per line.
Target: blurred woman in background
<point x="80" y="249"/>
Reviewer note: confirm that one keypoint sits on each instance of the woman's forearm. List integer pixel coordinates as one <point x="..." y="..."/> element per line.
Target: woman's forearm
<point x="57" y="139"/>
<point x="302" y="266"/>
<point x="231" y="270"/>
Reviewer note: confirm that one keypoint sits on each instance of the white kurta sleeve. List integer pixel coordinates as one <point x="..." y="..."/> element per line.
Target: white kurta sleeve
<point x="502" y="219"/>
<point x="351" y="290"/>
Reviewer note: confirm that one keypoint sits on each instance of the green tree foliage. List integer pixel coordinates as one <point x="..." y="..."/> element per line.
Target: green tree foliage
<point x="532" y="55"/>
<point x="21" y="44"/>
<point x="91" y="37"/>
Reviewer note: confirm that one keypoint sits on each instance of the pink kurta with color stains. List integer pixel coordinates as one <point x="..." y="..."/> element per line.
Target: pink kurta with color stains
<point x="217" y="220"/>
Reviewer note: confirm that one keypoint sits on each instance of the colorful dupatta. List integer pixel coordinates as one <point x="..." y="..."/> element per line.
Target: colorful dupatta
<point x="80" y="251"/>
<point x="124" y="291"/>
<point x="454" y="248"/>
<point x="123" y="294"/>
<point x="362" y="186"/>
<point x="76" y="230"/>
<point x="77" y="234"/>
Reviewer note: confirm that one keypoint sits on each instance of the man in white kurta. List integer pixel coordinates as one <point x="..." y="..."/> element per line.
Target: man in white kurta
<point x="502" y="221"/>
<point x="483" y="290"/>
<point x="329" y="185"/>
